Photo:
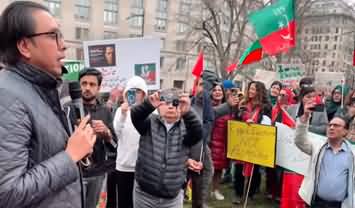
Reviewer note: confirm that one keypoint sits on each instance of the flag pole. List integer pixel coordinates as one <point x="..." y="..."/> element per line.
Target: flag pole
<point x="248" y="188"/>
<point x="342" y="92"/>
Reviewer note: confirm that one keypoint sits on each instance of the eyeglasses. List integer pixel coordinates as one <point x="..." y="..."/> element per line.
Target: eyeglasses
<point x="335" y="125"/>
<point x="55" y="35"/>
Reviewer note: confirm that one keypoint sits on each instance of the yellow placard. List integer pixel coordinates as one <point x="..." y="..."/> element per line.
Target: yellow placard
<point x="254" y="143"/>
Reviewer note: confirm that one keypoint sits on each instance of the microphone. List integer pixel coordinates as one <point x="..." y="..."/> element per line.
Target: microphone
<point x="77" y="102"/>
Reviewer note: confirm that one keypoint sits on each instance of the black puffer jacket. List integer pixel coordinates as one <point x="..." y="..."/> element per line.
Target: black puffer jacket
<point x="35" y="171"/>
<point x="160" y="168"/>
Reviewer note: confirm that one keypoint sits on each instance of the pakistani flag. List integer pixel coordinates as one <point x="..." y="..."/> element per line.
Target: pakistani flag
<point x="275" y="26"/>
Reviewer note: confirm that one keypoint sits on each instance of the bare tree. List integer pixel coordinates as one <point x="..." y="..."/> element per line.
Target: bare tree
<point x="223" y="29"/>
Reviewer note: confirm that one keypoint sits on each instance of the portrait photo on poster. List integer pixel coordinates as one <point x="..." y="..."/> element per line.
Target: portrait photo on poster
<point x="102" y="55"/>
<point x="147" y="71"/>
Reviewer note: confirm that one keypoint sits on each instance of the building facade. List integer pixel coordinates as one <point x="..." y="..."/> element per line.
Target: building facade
<point x="327" y="39"/>
<point x="82" y="20"/>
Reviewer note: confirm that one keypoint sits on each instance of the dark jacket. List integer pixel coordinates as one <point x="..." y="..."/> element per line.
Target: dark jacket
<point x="100" y="163"/>
<point x="160" y="168"/>
<point x="35" y="171"/>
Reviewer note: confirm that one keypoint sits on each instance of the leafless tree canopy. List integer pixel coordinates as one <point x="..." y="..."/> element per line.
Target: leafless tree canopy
<point x="223" y="29"/>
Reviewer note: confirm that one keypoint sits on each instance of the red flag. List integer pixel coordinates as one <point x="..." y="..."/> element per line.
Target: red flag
<point x="195" y="86"/>
<point x="286" y="118"/>
<point x="231" y="68"/>
<point x="198" y="68"/>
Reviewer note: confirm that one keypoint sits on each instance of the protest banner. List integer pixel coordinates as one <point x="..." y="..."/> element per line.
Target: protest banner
<point x="120" y="59"/>
<point x="328" y="80"/>
<point x="73" y="67"/>
<point x="267" y="77"/>
<point x="254" y="143"/>
<point x="288" y="155"/>
<point x="289" y="73"/>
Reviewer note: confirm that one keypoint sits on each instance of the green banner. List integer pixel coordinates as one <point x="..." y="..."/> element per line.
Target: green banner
<point x="73" y="67"/>
<point x="289" y="72"/>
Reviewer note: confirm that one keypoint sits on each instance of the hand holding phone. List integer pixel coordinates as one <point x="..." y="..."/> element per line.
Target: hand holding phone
<point x="131" y="97"/>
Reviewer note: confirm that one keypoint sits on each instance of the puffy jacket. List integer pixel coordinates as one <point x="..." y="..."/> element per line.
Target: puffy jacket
<point x="218" y="144"/>
<point x="35" y="171"/>
<point x="162" y="154"/>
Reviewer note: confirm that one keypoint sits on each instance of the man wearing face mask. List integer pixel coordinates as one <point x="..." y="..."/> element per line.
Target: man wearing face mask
<point x="163" y="148"/>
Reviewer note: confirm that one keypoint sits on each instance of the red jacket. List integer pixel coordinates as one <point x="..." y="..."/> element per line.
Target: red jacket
<point x="218" y="143"/>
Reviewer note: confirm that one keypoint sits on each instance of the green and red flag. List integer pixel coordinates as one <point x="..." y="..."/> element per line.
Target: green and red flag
<point x="252" y="54"/>
<point x="275" y="26"/>
<point x="231" y="68"/>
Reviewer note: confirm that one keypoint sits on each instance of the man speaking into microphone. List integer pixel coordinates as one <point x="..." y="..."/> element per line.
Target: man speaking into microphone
<point x="37" y="154"/>
<point x="101" y="119"/>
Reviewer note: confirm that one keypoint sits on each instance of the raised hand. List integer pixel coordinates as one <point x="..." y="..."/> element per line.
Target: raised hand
<point x="82" y="141"/>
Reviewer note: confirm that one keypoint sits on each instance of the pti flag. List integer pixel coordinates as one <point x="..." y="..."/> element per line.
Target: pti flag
<point x="275" y="26"/>
<point x="252" y="54"/>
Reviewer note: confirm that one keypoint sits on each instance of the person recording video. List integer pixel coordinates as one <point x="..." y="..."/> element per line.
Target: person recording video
<point x="165" y="140"/>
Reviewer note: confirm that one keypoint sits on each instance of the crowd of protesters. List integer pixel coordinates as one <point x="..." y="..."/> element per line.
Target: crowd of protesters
<point x="144" y="147"/>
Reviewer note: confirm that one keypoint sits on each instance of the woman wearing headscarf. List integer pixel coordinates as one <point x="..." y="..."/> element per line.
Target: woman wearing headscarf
<point x="333" y="104"/>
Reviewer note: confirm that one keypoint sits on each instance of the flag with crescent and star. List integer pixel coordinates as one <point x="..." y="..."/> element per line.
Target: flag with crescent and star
<point x="275" y="26"/>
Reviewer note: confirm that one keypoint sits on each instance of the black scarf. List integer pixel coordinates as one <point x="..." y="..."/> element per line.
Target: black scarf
<point x="46" y="86"/>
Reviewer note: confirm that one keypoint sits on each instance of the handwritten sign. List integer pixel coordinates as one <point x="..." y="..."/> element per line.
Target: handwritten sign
<point x="252" y="143"/>
<point x="288" y="155"/>
<point x="289" y="73"/>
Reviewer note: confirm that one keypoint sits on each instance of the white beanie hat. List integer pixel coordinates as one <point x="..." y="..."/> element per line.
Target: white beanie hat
<point x="137" y="83"/>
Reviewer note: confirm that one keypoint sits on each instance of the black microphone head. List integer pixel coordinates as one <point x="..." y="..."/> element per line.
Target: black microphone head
<point x="74" y="90"/>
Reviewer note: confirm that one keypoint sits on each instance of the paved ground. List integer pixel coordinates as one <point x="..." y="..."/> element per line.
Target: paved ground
<point x="259" y="201"/>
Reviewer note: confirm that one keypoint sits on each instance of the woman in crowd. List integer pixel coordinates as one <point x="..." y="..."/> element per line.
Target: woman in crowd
<point x="333" y="104"/>
<point x="275" y="88"/>
<point x="280" y="115"/>
<point x="217" y="144"/>
<point x="319" y="120"/>
<point x="350" y="112"/>
<point x="255" y="108"/>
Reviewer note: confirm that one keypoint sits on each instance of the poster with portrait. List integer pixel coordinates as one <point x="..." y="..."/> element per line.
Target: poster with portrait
<point x="121" y="59"/>
<point x="147" y="71"/>
<point x="102" y="55"/>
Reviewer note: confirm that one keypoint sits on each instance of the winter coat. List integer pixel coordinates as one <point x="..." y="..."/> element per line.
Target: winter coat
<point x="162" y="154"/>
<point x="35" y="171"/>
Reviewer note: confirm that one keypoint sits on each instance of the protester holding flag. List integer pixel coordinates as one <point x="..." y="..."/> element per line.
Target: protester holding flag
<point x="253" y="109"/>
<point x="200" y="153"/>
